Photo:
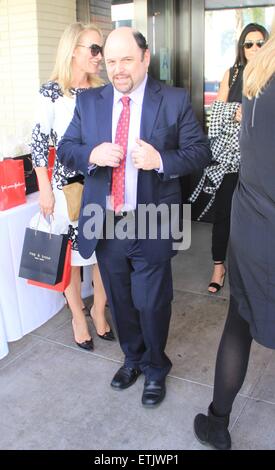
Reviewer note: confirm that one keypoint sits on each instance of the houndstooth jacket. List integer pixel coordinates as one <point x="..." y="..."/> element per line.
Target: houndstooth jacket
<point x="224" y="143"/>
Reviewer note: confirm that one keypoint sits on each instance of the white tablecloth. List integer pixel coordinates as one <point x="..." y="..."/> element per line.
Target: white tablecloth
<point x="23" y="307"/>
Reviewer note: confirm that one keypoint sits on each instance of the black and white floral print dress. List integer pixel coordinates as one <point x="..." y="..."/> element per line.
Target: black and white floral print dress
<point x="54" y="113"/>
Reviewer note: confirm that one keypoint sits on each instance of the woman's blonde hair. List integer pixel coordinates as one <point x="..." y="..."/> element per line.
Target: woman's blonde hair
<point x="259" y="69"/>
<point x="62" y="71"/>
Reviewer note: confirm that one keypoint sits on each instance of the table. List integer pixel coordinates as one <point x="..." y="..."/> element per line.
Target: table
<point x="23" y="307"/>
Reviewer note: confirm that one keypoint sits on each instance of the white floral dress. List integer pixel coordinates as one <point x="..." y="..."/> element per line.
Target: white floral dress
<point x="54" y="113"/>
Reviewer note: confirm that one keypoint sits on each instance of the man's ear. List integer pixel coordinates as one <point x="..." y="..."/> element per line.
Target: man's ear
<point x="147" y="57"/>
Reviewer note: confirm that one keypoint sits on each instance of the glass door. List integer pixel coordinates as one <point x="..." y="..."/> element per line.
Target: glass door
<point x="222" y="30"/>
<point x="161" y="39"/>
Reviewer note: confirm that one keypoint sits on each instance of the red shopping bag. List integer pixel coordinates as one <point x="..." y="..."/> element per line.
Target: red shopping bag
<point x="66" y="278"/>
<point x="12" y="183"/>
<point x="51" y="161"/>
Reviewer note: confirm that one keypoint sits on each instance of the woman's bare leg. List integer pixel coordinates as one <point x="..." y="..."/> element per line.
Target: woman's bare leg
<point x="73" y="296"/>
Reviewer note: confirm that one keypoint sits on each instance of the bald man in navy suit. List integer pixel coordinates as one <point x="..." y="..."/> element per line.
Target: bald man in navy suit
<point x="165" y="142"/>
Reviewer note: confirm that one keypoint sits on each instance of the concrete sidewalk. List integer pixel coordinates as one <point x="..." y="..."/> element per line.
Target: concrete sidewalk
<point x="53" y="395"/>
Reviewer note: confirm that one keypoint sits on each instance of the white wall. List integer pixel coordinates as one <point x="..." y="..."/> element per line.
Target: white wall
<point x="52" y="18"/>
<point x="29" y="34"/>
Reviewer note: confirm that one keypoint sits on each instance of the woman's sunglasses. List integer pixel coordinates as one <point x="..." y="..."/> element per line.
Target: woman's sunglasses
<point x="249" y="44"/>
<point x="94" y="48"/>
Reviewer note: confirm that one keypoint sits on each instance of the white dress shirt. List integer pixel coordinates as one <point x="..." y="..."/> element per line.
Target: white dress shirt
<point x="131" y="173"/>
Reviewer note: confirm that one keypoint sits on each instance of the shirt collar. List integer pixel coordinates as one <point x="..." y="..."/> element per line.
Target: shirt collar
<point x="136" y="96"/>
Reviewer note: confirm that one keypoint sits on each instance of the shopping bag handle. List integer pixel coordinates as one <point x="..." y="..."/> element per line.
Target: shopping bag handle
<point x="51" y="220"/>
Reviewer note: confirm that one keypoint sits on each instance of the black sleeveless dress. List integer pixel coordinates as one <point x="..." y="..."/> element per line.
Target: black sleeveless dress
<point x="252" y="236"/>
<point x="235" y="84"/>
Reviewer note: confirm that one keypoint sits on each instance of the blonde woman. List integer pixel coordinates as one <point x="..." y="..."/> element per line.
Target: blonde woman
<point x="252" y="249"/>
<point x="76" y="68"/>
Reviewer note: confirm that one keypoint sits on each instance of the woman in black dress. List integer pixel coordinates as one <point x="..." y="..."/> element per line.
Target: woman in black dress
<point x="250" y="41"/>
<point x="220" y="178"/>
<point x="252" y="249"/>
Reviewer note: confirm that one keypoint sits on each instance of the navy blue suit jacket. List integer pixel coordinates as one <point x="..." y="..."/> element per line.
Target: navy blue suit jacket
<point x="167" y="122"/>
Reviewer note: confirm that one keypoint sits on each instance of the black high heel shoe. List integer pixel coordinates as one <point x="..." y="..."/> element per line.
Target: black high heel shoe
<point x="215" y="285"/>
<point x="88" y="345"/>
<point x="108" y="335"/>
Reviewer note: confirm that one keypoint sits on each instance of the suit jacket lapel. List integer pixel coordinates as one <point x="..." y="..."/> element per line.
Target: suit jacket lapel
<point x="150" y="109"/>
<point x="104" y="112"/>
<point x="151" y="103"/>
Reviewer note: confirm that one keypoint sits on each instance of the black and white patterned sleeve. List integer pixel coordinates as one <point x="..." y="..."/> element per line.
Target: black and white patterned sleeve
<point x="222" y="115"/>
<point x="43" y="128"/>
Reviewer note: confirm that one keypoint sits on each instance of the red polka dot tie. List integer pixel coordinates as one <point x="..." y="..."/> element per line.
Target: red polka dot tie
<point x="118" y="175"/>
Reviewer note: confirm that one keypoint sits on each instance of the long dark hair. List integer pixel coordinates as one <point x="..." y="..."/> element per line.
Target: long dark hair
<point x="251" y="27"/>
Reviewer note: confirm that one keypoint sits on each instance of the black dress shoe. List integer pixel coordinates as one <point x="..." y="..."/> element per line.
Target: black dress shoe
<point x="108" y="336"/>
<point x="88" y="345"/>
<point x="125" y="377"/>
<point x="153" y="393"/>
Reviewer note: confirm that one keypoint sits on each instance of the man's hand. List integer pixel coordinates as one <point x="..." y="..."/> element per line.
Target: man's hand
<point x="106" y="154"/>
<point x="145" y="156"/>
